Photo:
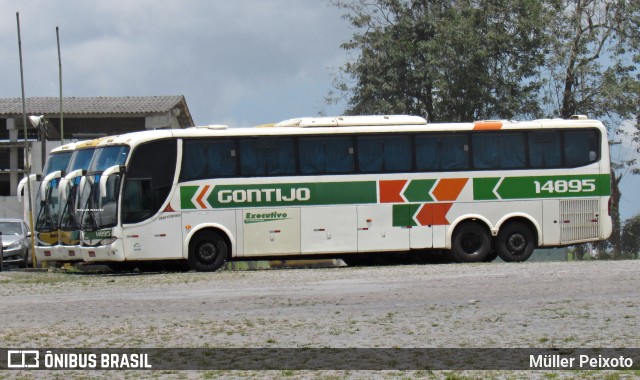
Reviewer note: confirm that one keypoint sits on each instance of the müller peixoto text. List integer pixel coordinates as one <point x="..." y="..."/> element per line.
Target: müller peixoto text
<point x="581" y="362"/>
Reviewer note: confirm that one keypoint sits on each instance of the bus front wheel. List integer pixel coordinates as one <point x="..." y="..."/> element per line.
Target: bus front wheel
<point x="471" y="243"/>
<point x="207" y="251"/>
<point x="515" y="242"/>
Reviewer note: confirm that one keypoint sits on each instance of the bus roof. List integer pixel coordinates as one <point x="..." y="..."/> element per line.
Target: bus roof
<point x="69" y="147"/>
<point x="91" y="143"/>
<point x="352" y="121"/>
<point x="346" y="125"/>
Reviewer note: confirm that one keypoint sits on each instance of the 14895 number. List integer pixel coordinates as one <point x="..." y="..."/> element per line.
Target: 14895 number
<point x="563" y="186"/>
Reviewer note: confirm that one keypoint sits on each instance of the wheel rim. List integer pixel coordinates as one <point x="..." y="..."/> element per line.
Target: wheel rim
<point x="516" y="243"/>
<point x="207" y="252"/>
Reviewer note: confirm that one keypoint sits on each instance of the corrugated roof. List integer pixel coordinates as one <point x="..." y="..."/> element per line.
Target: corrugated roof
<point x="92" y="105"/>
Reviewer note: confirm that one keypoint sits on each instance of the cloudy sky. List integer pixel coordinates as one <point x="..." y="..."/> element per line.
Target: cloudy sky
<point x="240" y="63"/>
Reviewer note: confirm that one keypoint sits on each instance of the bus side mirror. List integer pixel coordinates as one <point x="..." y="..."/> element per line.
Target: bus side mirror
<point x="47" y="180"/>
<point x="116" y="169"/>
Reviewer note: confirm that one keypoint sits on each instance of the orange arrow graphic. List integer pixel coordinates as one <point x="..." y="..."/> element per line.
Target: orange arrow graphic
<point x="201" y="195"/>
<point x="390" y="191"/>
<point x="434" y="214"/>
<point x="448" y="189"/>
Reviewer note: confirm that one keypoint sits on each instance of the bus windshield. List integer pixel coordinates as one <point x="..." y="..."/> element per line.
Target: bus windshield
<point x="100" y="212"/>
<point x="47" y="209"/>
<point x="57" y="161"/>
<point x="69" y="215"/>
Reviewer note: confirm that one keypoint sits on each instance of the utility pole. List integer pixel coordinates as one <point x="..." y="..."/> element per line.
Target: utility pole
<point x="60" y="82"/>
<point x="27" y="166"/>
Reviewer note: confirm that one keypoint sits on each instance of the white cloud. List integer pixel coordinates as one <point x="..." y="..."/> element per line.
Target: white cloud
<point x="246" y="60"/>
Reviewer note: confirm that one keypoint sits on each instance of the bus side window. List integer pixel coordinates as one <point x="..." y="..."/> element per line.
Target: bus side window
<point x="442" y="152"/>
<point x="326" y="155"/>
<point x="267" y="156"/>
<point x="544" y="149"/>
<point x="208" y="159"/>
<point x="454" y="152"/>
<point x="281" y="156"/>
<point x="580" y="147"/>
<point x="378" y="154"/>
<point x="153" y="160"/>
<point x="137" y="196"/>
<point x="427" y="155"/>
<point x="498" y="150"/>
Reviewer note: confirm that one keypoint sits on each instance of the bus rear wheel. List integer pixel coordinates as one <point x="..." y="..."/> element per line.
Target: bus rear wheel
<point x="207" y="251"/>
<point x="471" y="243"/>
<point x="515" y="242"/>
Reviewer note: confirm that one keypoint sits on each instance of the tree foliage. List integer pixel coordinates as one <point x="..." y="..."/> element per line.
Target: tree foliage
<point x="631" y="237"/>
<point x="590" y="68"/>
<point x="446" y="60"/>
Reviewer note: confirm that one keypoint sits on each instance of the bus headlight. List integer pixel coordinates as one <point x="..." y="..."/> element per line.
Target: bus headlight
<point x="108" y="241"/>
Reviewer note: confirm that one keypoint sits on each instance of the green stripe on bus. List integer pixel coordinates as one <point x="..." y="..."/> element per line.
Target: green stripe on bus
<point x="561" y="186"/>
<point x="283" y="194"/>
<point x="403" y="215"/>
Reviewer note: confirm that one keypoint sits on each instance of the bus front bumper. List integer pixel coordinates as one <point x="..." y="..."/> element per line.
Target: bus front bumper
<point x="61" y="253"/>
<point x="48" y="253"/>
<point x="109" y="252"/>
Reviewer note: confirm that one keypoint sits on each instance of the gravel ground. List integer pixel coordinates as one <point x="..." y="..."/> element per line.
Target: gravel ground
<point x="555" y="304"/>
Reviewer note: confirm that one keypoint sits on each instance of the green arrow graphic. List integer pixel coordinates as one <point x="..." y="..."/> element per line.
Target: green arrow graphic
<point x="418" y="190"/>
<point x="186" y="195"/>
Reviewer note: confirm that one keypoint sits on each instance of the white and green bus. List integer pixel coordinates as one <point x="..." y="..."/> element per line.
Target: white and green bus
<point x="62" y="192"/>
<point x="47" y="206"/>
<point x="346" y="186"/>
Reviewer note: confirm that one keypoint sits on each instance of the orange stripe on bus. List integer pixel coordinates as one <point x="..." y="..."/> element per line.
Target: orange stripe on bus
<point x="487" y="125"/>
<point x="448" y="189"/>
<point x="390" y="191"/>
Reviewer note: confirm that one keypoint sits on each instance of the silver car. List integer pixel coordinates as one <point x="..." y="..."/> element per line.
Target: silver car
<point x="15" y="242"/>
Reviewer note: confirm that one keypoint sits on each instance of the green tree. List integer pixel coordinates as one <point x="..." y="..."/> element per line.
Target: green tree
<point x="447" y="60"/>
<point x="591" y="70"/>
<point x="631" y="237"/>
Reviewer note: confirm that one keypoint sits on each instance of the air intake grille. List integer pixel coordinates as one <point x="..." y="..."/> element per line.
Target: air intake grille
<point x="580" y="220"/>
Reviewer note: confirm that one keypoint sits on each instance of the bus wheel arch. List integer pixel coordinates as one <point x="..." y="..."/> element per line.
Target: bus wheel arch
<point x="471" y="241"/>
<point x="516" y="240"/>
<point x="208" y="249"/>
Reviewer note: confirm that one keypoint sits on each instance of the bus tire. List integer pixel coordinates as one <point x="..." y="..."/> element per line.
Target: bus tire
<point x="515" y="242"/>
<point x="471" y="243"/>
<point x="493" y="254"/>
<point x="207" y="251"/>
<point x="124" y="266"/>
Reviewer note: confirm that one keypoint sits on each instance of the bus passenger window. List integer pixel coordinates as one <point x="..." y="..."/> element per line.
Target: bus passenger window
<point x="498" y="151"/>
<point x="442" y="152"/>
<point x="378" y="154"/>
<point x="454" y="152"/>
<point x="427" y="155"/>
<point x="267" y="156"/>
<point x="326" y="155"/>
<point x="207" y="159"/>
<point x="580" y="147"/>
<point x="544" y="149"/>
